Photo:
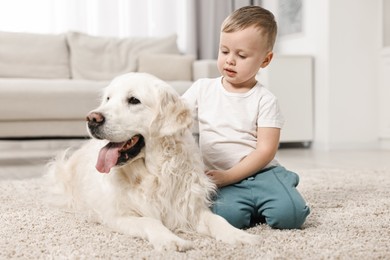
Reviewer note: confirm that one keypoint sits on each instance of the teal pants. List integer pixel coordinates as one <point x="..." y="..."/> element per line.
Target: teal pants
<point x="269" y="196"/>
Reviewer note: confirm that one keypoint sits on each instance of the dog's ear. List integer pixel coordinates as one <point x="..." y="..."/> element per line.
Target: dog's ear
<point x="173" y="115"/>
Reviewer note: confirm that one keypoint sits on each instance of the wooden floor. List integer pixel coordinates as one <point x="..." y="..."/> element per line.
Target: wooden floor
<point x="27" y="159"/>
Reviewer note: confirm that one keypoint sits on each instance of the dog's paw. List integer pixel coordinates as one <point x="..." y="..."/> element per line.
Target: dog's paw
<point x="173" y="244"/>
<point x="239" y="237"/>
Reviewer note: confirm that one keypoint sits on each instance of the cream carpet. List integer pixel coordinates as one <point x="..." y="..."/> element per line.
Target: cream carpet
<point x="350" y="220"/>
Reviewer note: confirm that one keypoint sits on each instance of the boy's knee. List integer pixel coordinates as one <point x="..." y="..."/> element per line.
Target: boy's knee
<point x="283" y="218"/>
<point x="289" y="209"/>
<point x="236" y="217"/>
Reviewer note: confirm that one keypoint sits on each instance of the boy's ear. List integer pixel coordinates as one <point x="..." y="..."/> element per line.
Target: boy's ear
<point x="267" y="59"/>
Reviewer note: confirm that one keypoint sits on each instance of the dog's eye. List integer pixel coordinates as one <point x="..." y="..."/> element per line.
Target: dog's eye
<point x="108" y="98"/>
<point x="133" y="101"/>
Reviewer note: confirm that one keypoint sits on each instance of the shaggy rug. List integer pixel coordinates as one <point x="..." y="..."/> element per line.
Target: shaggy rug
<point x="350" y="219"/>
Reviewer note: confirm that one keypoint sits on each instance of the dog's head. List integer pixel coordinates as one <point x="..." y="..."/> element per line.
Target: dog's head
<point x="135" y="108"/>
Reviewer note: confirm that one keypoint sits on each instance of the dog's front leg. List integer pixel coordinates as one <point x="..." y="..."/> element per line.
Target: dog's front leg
<point x="151" y="229"/>
<point x="216" y="226"/>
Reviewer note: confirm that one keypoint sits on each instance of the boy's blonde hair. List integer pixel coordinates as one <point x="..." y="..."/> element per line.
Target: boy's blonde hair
<point x="256" y="16"/>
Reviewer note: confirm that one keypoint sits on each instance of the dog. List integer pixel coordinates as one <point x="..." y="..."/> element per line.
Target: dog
<point x="141" y="173"/>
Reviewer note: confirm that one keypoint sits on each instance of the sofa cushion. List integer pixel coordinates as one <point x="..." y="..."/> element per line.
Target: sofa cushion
<point x="167" y="66"/>
<point x="55" y="99"/>
<point x="42" y="99"/>
<point x="28" y="55"/>
<point x="180" y="86"/>
<point x="103" y="58"/>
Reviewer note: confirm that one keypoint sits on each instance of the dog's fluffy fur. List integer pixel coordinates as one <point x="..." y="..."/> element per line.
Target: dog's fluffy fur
<point x="161" y="189"/>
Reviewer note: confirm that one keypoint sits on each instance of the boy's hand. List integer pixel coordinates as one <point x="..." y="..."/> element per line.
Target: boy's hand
<point x="220" y="178"/>
<point x="265" y="151"/>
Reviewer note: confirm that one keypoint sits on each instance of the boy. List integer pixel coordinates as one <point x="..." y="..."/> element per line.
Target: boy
<point x="239" y="128"/>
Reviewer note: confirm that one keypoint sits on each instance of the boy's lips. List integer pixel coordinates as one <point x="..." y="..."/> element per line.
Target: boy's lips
<point x="230" y="72"/>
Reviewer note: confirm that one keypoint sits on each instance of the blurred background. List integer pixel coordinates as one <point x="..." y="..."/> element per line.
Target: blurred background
<point x="348" y="42"/>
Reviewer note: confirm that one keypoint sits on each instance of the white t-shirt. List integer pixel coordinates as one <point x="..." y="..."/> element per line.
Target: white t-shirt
<point x="228" y="121"/>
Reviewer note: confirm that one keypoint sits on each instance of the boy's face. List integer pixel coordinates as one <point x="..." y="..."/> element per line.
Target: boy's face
<point x="241" y="55"/>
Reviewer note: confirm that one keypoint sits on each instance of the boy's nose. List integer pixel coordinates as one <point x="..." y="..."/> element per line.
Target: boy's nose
<point x="230" y="61"/>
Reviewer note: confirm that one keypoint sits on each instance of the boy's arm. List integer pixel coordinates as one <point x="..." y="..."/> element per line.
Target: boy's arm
<point x="266" y="148"/>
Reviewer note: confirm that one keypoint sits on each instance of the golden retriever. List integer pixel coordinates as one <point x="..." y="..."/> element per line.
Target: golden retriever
<point x="147" y="180"/>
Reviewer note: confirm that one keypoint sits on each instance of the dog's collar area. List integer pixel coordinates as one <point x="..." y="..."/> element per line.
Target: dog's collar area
<point x="114" y="154"/>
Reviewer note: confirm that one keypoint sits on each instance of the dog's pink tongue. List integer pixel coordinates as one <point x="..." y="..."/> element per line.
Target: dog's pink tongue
<point x="108" y="157"/>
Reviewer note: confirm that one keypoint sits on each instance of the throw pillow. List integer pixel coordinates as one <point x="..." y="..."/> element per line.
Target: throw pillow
<point x="167" y="67"/>
<point x="103" y="58"/>
<point x="29" y="55"/>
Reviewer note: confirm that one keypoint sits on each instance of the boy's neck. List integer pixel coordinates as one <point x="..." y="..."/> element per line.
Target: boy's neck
<point x="238" y="88"/>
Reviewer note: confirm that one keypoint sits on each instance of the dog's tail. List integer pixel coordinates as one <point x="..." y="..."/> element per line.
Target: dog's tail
<point x="58" y="181"/>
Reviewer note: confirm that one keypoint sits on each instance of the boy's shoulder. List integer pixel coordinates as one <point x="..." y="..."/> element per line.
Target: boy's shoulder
<point x="264" y="91"/>
<point x="200" y="87"/>
<point x="205" y="84"/>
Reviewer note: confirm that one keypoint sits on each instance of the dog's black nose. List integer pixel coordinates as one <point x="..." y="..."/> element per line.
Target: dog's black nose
<point x="95" y="119"/>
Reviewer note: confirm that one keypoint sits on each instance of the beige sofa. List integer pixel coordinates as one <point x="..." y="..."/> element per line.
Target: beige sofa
<point x="48" y="83"/>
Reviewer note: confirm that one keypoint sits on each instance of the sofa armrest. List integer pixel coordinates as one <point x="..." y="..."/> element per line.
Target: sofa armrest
<point x="205" y="69"/>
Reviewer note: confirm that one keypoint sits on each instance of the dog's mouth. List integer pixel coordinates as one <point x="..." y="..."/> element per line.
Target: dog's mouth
<point x="115" y="154"/>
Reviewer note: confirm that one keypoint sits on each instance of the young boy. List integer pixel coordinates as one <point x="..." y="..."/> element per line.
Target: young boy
<point x="239" y="128"/>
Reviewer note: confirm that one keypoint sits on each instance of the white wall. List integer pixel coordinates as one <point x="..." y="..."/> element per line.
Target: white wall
<point x="344" y="38"/>
<point x="353" y="70"/>
<point x="384" y="81"/>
